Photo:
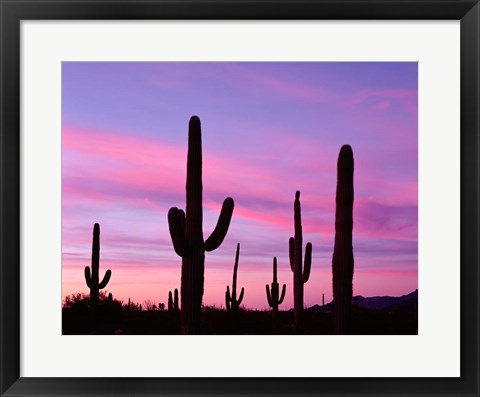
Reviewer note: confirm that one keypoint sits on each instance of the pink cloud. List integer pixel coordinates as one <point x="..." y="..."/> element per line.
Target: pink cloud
<point x="382" y="220"/>
<point x="273" y="86"/>
<point x="292" y="89"/>
<point x="111" y="145"/>
<point x="384" y="105"/>
<point x="361" y="96"/>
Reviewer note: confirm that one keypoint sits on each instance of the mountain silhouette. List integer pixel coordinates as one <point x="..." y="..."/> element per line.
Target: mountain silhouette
<point x="386" y="303"/>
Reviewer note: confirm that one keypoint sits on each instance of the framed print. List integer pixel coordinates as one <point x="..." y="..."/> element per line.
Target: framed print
<point x="295" y="184"/>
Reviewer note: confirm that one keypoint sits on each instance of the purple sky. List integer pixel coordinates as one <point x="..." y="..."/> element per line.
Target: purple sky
<point x="268" y="129"/>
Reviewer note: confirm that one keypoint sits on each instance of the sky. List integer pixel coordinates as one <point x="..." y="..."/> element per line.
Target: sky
<point x="268" y="130"/>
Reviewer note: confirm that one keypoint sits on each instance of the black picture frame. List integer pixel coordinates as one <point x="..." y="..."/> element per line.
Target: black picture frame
<point x="14" y="11"/>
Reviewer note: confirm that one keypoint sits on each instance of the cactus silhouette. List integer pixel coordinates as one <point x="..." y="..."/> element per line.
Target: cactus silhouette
<point x="186" y="231"/>
<point x="273" y="296"/>
<point x="173" y="303"/>
<point x="175" y="300"/>
<point x="91" y="277"/>
<point x="342" y="261"/>
<point x="231" y="301"/>
<point x="300" y="276"/>
<point x="170" y="301"/>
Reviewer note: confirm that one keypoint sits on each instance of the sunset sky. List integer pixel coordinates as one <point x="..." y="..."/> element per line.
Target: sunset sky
<point x="268" y="129"/>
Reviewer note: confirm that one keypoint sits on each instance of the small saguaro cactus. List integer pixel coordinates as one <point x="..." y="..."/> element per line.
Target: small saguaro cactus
<point x="186" y="231"/>
<point x="110" y="297"/>
<point x="91" y="277"/>
<point x="342" y="261"/>
<point x="170" y="301"/>
<point x="173" y="302"/>
<point x="300" y="276"/>
<point x="231" y="301"/>
<point x="273" y="296"/>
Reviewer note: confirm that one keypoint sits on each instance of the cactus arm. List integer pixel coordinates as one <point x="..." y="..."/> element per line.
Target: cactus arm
<point x="105" y="280"/>
<point x="88" y="278"/>
<point x="228" y="299"/>
<point x="240" y="298"/>
<point x="170" y="301"/>
<point x="307" y="262"/>
<point x="176" y="225"/>
<point x="227" y="294"/>
<point x="291" y="252"/>
<point x="235" y="270"/>
<point x="284" y="288"/>
<point x="269" y="297"/>
<point x="220" y="231"/>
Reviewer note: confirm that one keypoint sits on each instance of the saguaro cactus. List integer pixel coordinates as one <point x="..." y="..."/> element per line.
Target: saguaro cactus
<point x="173" y="303"/>
<point x="342" y="262"/>
<point x="175" y="300"/>
<point x="274" y="298"/>
<point x="92" y="278"/>
<point x="186" y="231"/>
<point x="231" y="301"/>
<point x="300" y="276"/>
<point x="170" y="301"/>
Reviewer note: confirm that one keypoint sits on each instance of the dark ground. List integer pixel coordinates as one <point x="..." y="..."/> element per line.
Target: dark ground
<point x="112" y="318"/>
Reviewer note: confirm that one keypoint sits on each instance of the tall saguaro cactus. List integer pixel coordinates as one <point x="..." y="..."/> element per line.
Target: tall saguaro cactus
<point x="91" y="277"/>
<point x="300" y="276"/>
<point x="342" y="262"/>
<point x="273" y="296"/>
<point x="231" y="301"/>
<point x="186" y="231"/>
